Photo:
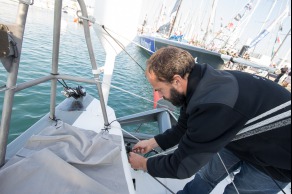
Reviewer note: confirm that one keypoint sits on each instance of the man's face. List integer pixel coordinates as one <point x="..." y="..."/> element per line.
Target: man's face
<point x="166" y="90"/>
<point x="176" y="98"/>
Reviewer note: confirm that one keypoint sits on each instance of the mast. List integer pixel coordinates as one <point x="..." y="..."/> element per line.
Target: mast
<point x="267" y="18"/>
<point x="109" y="30"/>
<point x="265" y="32"/>
<point x="285" y="58"/>
<point x="211" y="21"/>
<point x="239" y="18"/>
<point x="269" y="14"/>
<point x="289" y="33"/>
<point x="197" y="17"/>
<point x="248" y="19"/>
<point x="244" y="25"/>
<point x="175" y="9"/>
<point x="160" y="17"/>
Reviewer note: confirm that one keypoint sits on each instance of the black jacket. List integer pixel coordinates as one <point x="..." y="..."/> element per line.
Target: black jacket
<point x="219" y="104"/>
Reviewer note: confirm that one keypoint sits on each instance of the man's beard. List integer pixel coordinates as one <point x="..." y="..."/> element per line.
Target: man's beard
<point x="176" y="98"/>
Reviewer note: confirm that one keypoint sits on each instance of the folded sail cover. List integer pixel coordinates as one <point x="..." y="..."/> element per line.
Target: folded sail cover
<point x="65" y="159"/>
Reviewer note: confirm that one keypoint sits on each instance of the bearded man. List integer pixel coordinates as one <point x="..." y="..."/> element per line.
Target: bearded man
<point x="227" y="117"/>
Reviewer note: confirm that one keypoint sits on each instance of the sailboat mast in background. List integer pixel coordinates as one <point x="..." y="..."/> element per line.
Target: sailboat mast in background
<point x="211" y="22"/>
<point x="243" y="22"/>
<point x="267" y="18"/>
<point x="276" y="52"/>
<point x="265" y="32"/>
<point x="227" y="35"/>
<point x="174" y="13"/>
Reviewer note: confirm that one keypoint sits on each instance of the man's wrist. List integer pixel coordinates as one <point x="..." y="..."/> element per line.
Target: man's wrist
<point x="145" y="165"/>
<point x="153" y="143"/>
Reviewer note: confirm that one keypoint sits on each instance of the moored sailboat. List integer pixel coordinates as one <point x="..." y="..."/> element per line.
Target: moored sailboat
<point x="164" y="36"/>
<point x="223" y="39"/>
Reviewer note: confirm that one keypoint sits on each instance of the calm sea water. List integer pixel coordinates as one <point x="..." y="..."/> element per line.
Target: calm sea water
<point x="32" y="104"/>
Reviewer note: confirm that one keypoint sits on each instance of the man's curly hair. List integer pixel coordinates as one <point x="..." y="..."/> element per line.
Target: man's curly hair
<point x="170" y="61"/>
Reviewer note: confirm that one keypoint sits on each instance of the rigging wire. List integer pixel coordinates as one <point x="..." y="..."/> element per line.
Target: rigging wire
<point x="63" y="83"/>
<point x="136" y="95"/>
<point x="133" y="42"/>
<point x="137" y="130"/>
<point x="165" y="186"/>
<point x="228" y="173"/>
<point x="274" y="180"/>
<point x="122" y="47"/>
<point x="107" y="127"/>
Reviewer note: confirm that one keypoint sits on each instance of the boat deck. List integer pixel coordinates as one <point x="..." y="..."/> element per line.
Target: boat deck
<point x="80" y="131"/>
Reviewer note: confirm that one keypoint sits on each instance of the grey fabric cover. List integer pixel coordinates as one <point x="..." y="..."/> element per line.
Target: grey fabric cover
<point x="66" y="160"/>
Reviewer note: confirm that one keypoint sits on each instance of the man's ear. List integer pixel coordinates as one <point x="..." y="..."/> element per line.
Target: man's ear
<point x="177" y="80"/>
<point x="179" y="83"/>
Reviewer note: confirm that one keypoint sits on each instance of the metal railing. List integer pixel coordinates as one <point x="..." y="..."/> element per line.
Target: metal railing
<point x="11" y="88"/>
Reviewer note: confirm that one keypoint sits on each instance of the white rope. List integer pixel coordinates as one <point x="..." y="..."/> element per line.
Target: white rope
<point x="130" y="134"/>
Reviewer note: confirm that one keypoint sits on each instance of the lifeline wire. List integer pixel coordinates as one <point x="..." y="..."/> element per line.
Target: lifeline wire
<point x="147" y="172"/>
<point x="228" y="173"/>
<point x="133" y="94"/>
<point x="123" y="47"/>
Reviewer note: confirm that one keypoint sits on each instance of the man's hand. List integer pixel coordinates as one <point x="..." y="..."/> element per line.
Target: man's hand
<point x="137" y="162"/>
<point x="143" y="147"/>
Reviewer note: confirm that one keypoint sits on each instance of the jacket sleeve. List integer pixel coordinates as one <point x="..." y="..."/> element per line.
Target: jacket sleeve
<point x="209" y="129"/>
<point x="171" y="137"/>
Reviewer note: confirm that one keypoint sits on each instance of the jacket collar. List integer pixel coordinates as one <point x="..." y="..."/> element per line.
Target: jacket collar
<point x="193" y="80"/>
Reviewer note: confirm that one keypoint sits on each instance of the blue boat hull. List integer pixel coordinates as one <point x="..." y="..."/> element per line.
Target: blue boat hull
<point x="201" y="55"/>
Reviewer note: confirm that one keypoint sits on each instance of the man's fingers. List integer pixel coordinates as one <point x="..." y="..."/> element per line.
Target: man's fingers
<point x="138" y="150"/>
<point x="131" y="157"/>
